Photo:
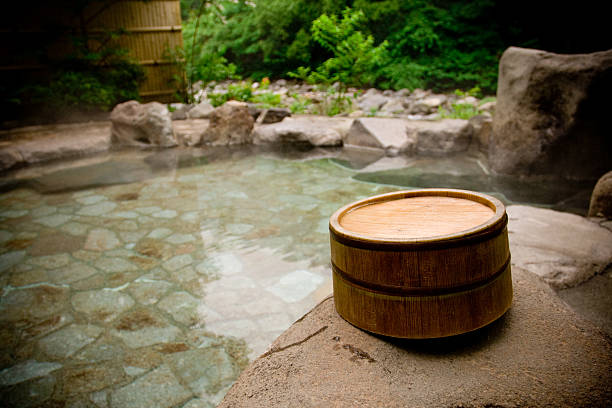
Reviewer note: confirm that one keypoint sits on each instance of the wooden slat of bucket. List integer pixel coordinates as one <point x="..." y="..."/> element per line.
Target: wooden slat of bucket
<point x="420" y="267"/>
<point x="419" y="317"/>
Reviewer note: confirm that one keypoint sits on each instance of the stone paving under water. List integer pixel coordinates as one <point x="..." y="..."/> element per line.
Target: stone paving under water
<point x="159" y="290"/>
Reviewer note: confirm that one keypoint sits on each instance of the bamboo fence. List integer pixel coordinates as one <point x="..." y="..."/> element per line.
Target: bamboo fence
<point x="150" y="30"/>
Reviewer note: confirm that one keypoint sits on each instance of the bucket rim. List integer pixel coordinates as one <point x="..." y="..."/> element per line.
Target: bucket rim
<point x="486" y="230"/>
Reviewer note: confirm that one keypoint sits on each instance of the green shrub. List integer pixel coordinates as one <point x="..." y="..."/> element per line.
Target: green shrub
<point x="266" y="99"/>
<point x="459" y="111"/>
<point x="355" y="59"/>
<point x="300" y="104"/>
<point x="334" y="102"/>
<point x="242" y="91"/>
<point x="88" y="80"/>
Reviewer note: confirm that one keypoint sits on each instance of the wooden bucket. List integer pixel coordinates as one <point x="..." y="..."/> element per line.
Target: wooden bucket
<point x="421" y="264"/>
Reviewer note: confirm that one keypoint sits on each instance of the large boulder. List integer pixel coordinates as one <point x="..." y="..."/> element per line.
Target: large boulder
<point x="551" y="112"/>
<point x="438" y="138"/>
<point x="230" y="124"/>
<point x="482" y="126"/>
<point x="390" y="135"/>
<point x="539" y="354"/>
<point x="189" y="132"/>
<point x="136" y="124"/>
<point x="394" y="136"/>
<point x="317" y="131"/>
<point x="202" y="110"/>
<point x="601" y="199"/>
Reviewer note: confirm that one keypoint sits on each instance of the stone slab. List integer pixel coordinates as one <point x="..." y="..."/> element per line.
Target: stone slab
<point x="387" y="134"/>
<point x="159" y="388"/>
<point x="394" y="136"/>
<point x="37" y="144"/>
<point x="563" y="249"/>
<point x="539" y="354"/>
<point x="315" y="130"/>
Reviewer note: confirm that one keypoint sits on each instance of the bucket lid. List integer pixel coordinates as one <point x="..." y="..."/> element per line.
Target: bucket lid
<point x="419" y="216"/>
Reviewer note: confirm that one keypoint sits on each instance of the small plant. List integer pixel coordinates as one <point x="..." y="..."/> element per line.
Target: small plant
<point x="300" y="104"/>
<point x="487" y="99"/>
<point x="459" y="111"/>
<point x="334" y="102"/>
<point x="475" y="92"/>
<point x="266" y="99"/>
<point x="242" y="91"/>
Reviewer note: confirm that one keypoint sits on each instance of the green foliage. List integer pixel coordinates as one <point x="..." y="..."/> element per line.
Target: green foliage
<point x="266" y="99"/>
<point x="267" y="40"/>
<point x="487" y="99"/>
<point x="335" y="102"/>
<point x="355" y="59"/>
<point x="475" y="92"/>
<point x="89" y="71"/>
<point x="197" y="63"/>
<point x="459" y="111"/>
<point x="89" y="78"/>
<point x="439" y="44"/>
<point x="300" y="104"/>
<point x="243" y="92"/>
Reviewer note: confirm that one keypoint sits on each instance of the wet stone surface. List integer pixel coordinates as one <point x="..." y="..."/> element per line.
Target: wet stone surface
<point x="159" y="291"/>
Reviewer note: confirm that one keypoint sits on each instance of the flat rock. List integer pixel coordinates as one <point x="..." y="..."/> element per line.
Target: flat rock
<point x="142" y="327"/>
<point x="427" y="138"/>
<point x="101" y="305"/>
<point x="26" y="371"/>
<point x="160" y="388"/>
<point x="314" y="130"/>
<point x="101" y="239"/>
<point x="67" y="341"/>
<point x="38" y="144"/>
<point x="79" y="379"/>
<point x="438" y="138"/>
<point x="33" y="303"/>
<point x="206" y="371"/>
<point x="538" y="354"/>
<point x="391" y="135"/>
<point x="563" y="249"/>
